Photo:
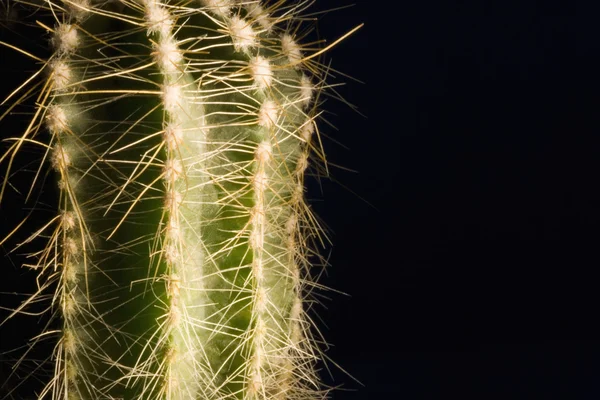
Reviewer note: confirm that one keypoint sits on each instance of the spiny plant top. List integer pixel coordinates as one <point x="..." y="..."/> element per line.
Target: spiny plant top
<point x="179" y="264"/>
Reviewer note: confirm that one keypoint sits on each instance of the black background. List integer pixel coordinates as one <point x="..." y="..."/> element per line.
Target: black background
<point x="467" y="240"/>
<point x="475" y="274"/>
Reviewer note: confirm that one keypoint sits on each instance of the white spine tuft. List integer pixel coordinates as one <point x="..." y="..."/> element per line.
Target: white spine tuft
<point x="66" y="39"/>
<point x="260" y="16"/>
<point x="291" y="50"/>
<point x="306" y="90"/>
<point x="173" y="200"/>
<point x="307" y="130"/>
<point x="173" y="170"/>
<point x="79" y="9"/>
<point x="71" y="247"/>
<point x="297" y="194"/>
<point x="61" y="75"/>
<point x="291" y="224"/>
<point x="261" y="181"/>
<point x="261" y="72"/>
<point x="67" y="220"/>
<point x="302" y="163"/>
<point x="268" y="114"/>
<point x="264" y="152"/>
<point x="222" y="8"/>
<point x="61" y="159"/>
<point x="167" y="54"/>
<point x="70" y="273"/>
<point x="158" y="18"/>
<point x="173" y="136"/>
<point x="172" y="97"/>
<point x="242" y="34"/>
<point x="171" y="253"/>
<point x="56" y="119"/>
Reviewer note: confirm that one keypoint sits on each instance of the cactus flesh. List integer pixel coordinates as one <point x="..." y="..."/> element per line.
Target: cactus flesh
<point x="179" y="259"/>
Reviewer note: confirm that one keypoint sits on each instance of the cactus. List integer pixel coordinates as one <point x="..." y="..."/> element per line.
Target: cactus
<point x="180" y="262"/>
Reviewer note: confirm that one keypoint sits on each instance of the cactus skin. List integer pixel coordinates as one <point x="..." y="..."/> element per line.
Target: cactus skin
<point x="180" y="256"/>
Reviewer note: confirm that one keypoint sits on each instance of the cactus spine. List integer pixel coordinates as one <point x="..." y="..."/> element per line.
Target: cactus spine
<point x="180" y="133"/>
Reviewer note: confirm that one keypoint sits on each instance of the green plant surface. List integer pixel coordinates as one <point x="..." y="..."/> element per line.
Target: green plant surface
<point x="181" y="260"/>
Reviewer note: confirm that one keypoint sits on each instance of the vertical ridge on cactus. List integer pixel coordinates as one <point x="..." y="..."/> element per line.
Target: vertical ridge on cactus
<point x="179" y="260"/>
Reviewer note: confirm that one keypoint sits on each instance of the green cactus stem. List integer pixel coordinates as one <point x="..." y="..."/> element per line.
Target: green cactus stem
<point x="180" y="255"/>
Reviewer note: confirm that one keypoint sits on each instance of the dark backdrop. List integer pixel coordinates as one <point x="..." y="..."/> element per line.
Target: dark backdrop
<point x="475" y="274"/>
